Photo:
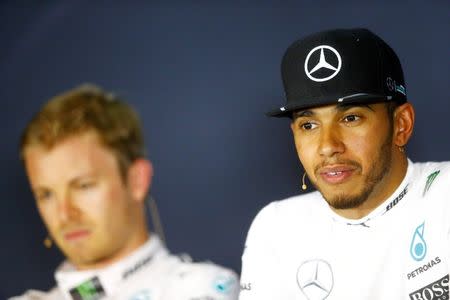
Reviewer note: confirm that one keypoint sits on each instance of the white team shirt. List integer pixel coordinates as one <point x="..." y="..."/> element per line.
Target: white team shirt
<point x="299" y="248"/>
<point x="150" y="273"/>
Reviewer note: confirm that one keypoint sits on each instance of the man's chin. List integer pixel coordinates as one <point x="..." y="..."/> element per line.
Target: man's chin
<point x="83" y="259"/>
<point x="81" y="256"/>
<point x="345" y="201"/>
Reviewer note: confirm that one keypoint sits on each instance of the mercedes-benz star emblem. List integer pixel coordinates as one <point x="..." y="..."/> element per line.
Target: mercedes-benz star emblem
<point x="328" y="64"/>
<point x="315" y="279"/>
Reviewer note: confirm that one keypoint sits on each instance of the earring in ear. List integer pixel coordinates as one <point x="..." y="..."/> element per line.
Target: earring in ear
<point x="304" y="187"/>
<point x="48" y="242"/>
<point x="402" y="150"/>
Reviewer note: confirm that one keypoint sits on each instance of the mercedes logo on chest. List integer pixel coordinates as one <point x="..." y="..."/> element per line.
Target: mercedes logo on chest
<point x="322" y="63"/>
<point x="315" y="279"/>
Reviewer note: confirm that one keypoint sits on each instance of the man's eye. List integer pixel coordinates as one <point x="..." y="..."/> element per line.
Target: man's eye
<point x="85" y="185"/>
<point x="351" y="118"/>
<point x="308" y="126"/>
<point x="43" y="195"/>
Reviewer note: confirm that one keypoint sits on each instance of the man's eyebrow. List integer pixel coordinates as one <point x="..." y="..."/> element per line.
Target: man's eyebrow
<point x="339" y="107"/>
<point x="346" y="106"/>
<point x="80" y="177"/>
<point x="303" y="113"/>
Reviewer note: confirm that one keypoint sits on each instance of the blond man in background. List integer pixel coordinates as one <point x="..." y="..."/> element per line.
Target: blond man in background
<point x="84" y="158"/>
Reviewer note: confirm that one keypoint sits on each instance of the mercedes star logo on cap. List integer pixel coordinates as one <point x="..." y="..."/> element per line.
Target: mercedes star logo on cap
<point x="323" y="63"/>
<point x="315" y="279"/>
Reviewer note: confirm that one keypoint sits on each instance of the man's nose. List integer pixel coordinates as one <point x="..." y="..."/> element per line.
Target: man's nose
<point x="330" y="142"/>
<point x="67" y="210"/>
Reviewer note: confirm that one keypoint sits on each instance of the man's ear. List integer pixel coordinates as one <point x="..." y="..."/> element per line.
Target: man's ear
<point x="403" y="124"/>
<point x="139" y="178"/>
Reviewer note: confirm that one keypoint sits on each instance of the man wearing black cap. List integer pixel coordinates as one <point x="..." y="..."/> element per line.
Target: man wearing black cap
<point x="379" y="225"/>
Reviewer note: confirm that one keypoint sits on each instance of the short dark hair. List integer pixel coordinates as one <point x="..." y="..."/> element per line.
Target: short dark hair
<point x="392" y="106"/>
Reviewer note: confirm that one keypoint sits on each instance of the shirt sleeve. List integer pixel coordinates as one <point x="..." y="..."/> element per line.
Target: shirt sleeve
<point x="53" y="294"/>
<point x="259" y="259"/>
<point x="442" y="187"/>
<point x="203" y="281"/>
<point x="437" y="185"/>
<point x="447" y="209"/>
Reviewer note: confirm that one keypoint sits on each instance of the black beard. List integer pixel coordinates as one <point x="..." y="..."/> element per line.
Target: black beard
<point x="384" y="158"/>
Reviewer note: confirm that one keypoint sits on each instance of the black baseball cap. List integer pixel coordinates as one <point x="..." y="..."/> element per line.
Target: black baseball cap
<point x="340" y="66"/>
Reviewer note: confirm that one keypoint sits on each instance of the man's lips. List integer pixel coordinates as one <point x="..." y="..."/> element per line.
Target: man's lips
<point x="336" y="174"/>
<point x="76" y="234"/>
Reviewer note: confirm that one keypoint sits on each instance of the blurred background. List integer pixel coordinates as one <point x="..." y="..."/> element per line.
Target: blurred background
<point x="201" y="74"/>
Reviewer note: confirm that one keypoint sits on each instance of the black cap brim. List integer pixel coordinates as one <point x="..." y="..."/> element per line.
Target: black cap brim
<point x="287" y="110"/>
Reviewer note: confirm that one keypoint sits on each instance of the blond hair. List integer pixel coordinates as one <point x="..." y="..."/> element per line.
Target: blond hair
<point x="88" y="108"/>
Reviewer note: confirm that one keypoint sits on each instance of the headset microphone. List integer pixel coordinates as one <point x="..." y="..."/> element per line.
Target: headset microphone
<point x="303" y="182"/>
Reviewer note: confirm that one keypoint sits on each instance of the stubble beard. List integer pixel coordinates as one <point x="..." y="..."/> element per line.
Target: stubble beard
<point x="381" y="165"/>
